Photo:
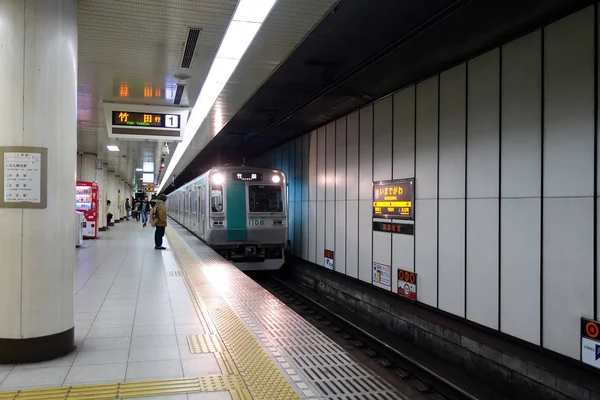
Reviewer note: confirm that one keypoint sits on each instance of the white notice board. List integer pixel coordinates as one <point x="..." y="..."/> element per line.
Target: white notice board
<point x="24" y="179"/>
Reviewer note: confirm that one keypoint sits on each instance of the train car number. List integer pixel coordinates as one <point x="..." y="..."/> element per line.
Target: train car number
<point x="256" y="222"/>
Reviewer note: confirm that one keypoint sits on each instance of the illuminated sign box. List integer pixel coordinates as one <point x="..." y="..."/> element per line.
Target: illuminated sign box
<point x="247" y="176"/>
<point x="150" y="120"/>
<point x="145" y="122"/>
<point x="394" y="199"/>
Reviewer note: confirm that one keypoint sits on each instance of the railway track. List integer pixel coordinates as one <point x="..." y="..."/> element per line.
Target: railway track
<point x="405" y="372"/>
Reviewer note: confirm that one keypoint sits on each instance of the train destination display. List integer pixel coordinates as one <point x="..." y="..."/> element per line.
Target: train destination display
<point x="394" y="199"/>
<point x="247" y="176"/>
<point x="141" y="119"/>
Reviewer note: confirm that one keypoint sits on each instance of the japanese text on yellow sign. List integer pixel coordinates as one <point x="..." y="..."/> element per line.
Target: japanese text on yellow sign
<point x="393" y="199"/>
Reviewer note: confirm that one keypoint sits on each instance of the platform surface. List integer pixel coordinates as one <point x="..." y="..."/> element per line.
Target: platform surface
<point x="185" y="324"/>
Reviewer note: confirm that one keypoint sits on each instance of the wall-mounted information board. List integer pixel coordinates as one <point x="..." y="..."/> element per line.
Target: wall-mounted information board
<point x="23" y="171"/>
<point x="394" y="199"/>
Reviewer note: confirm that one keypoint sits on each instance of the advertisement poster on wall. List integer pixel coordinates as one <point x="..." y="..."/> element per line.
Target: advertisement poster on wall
<point x="329" y="259"/>
<point x="382" y="275"/>
<point x="590" y="342"/>
<point x="407" y="284"/>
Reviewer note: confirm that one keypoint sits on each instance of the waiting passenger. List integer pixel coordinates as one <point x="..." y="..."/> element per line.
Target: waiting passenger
<point x="158" y="219"/>
<point x="145" y="209"/>
<point x="219" y="207"/>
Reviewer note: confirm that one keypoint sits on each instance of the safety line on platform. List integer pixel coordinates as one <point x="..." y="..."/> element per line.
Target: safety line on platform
<point x="264" y="381"/>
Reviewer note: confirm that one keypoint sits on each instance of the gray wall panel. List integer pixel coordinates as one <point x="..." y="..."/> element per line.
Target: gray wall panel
<point x="403" y="256"/>
<point x="365" y="239"/>
<point x="521" y="117"/>
<point x="483" y="126"/>
<point x="382" y="251"/>
<point x="305" y="166"/>
<point x="427" y="139"/>
<point x="340" y="237"/>
<point x="404" y="133"/>
<point x="482" y="261"/>
<point x="426" y="250"/>
<point x="330" y="153"/>
<point x="569" y="106"/>
<point x="340" y="159"/>
<point x="321" y="183"/>
<point x="321" y="219"/>
<point x="382" y="139"/>
<point x="352" y="238"/>
<point x="520" y="268"/>
<point x="313" y="193"/>
<point x="452" y="256"/>
<point x="366" y="153"/>
<point x="352" y="157"/>
<point x="567" y="260"/>
<point x="453" y="84"/>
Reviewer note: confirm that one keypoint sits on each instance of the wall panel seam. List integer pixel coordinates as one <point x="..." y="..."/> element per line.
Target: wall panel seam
<point x="542" y="128"/>
<point x="595" y="255"/>
<point x="500" y="189"/>
<point x="466" y="180"/>
<point x="437" y="242"/>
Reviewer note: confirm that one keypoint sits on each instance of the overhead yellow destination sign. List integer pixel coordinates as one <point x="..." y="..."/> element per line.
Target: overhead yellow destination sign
<point x="394" y="199"/>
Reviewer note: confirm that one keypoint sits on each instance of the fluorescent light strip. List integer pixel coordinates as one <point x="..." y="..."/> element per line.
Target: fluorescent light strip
<point x="247" y="20"/>
<point x="112" y="148"/>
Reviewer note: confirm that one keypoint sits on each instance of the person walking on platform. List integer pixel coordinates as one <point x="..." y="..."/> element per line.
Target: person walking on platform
<point x="158" y="219"/>
<point x="145" y="209"/>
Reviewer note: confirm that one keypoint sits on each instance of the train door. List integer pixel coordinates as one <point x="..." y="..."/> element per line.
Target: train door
<point x="202" y="213"/>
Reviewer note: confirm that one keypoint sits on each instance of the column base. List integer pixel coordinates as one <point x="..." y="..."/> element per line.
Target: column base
<point x="44" y="348"/>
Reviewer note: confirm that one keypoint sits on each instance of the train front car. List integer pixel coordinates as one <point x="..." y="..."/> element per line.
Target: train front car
<point x="248" y="221"/>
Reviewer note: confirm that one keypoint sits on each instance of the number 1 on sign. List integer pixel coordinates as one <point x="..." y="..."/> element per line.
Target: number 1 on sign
<point x="171" y="121"/>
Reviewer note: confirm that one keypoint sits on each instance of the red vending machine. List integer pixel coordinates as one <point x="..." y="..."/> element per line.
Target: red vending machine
<point x="86" y="201"/>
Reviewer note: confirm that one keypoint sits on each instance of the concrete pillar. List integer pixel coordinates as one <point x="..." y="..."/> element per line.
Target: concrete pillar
<point x="38" y="108"/>
<point x="86" y="165"/>
<point x="112" y="196"/>
<point x="102" y="189"/>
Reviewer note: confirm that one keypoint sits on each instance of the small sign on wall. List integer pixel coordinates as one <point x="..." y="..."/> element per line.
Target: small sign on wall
<point x="407" y="284"/>
<point x="23" y="171"/>
<point x="394" y="227"/>
<point x="329" y="259"/>
<point x="382" y="275"/>
<point x="590" y="342"/>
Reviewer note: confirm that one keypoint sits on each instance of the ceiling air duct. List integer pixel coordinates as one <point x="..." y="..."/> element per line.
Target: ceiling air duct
<point x="190" y="47"/>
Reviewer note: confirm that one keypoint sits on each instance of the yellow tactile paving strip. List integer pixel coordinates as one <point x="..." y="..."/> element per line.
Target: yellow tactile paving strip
<point x="260" y="374"/>
<point x="248" y="372"/>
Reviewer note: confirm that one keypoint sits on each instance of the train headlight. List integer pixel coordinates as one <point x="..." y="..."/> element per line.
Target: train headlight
<point x="217" y="179"/>
<point x="275" y="178"/>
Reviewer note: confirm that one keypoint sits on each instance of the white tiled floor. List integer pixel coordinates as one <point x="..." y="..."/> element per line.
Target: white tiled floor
<point x="131" y="320"/>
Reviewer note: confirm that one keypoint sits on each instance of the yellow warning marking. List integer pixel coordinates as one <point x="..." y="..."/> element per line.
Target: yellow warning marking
<point x="130" y="390"/>
<point x="248" y="372"/>
<point x="262" y="377"/>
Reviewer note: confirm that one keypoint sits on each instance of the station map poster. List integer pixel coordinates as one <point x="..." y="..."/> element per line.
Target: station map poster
<point x="394" y="199"/>
<point x="23" y="171"/>
<point x="407" y="284"/>
<point x="382" y="275"/>
<point x="590" y="342"/>
<point x="329" y="259"/>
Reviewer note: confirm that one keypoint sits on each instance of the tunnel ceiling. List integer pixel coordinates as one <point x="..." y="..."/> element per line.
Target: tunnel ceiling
<point x="362" y="51"/>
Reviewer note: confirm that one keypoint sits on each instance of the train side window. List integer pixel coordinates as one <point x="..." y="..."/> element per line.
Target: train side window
<point x="216" y="198"/>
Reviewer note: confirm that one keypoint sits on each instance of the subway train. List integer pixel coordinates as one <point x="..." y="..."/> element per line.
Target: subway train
<point x="239" y="211"/>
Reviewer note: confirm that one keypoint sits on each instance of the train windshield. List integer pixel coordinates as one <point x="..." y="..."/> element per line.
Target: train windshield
<point x="216" y="198"/>
<point x="265" y="198"/>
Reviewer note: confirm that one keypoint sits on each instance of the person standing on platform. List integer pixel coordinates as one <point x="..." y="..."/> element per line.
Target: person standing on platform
<point x="145" y="209"/>
<point x="127" y="209"/>
<point x="158" y="219"/>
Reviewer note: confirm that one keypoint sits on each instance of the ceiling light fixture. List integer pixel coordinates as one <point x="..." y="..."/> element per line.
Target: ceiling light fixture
<point x="112" y="148"/>
<point x="247" y="20"/>
<point x="139" y="169"/>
